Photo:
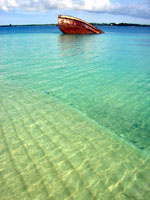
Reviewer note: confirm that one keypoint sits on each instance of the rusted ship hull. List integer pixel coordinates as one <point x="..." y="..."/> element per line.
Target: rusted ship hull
<point x="72" y="25"/>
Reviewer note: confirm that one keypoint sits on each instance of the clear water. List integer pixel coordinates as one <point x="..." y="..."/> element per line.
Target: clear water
<point x="75" y="114"/>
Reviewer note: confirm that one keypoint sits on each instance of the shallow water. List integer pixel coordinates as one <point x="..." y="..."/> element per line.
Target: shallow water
<point x="75" y="120"/>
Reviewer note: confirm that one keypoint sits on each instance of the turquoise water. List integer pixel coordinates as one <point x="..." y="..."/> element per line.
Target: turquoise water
<point x="75" y="114"/>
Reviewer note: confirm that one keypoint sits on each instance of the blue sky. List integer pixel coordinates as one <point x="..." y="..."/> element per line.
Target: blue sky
<point x="46" y="11"/>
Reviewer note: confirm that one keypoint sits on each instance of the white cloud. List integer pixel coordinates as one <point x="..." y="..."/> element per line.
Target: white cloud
<point x="97" y="5"/>
<point x="3" y="5"/>
<point x="12" y="3"/>
<point x="89" y="5"/>
<point x="8" y="4"/>
<point x="133" y="8"/>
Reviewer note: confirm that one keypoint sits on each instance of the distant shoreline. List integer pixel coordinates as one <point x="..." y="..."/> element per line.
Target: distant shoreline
<point x="121" y="24"/>
<point x="96" y="24"/>
<point x="11" y="25"/>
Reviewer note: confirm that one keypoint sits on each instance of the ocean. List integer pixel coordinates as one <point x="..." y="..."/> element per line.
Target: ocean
<point x="75" y="114"/>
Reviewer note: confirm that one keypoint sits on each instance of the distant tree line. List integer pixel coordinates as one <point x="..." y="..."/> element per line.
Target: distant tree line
<point x="95" y="24"/>
<point x="120" y="24"/>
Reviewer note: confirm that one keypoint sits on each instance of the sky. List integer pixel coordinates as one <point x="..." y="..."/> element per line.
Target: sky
<point x="99" y="11"/>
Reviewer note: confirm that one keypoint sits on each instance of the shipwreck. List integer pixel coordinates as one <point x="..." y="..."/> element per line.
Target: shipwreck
<point x="72" y="25"/>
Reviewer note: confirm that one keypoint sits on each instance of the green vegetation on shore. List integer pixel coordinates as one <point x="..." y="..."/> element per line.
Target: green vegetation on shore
<point x="121" y="24"/>
<point x="95" y="24"/>
<point x="11" y="25"/>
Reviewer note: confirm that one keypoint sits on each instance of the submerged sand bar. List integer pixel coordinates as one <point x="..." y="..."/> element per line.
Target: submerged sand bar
<point x="50" y="151"/>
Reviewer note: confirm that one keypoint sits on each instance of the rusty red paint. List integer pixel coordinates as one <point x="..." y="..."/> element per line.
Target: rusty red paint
<point x="72" y="25"/>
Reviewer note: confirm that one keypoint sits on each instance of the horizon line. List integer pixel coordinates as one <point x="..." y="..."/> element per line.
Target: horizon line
<point x="56" y="24"/>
